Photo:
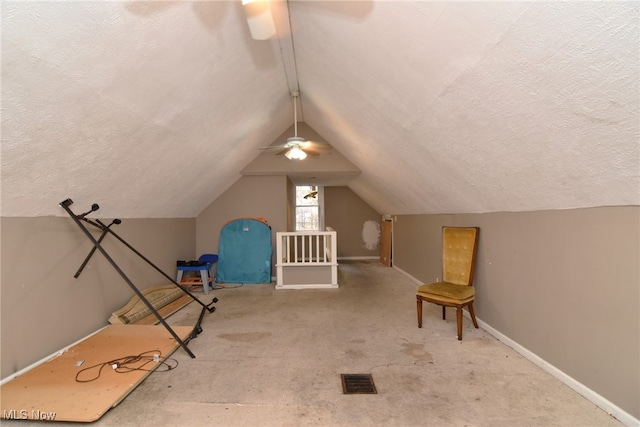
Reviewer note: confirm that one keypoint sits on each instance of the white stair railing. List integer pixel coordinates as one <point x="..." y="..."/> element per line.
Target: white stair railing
<point x="299" y="249"/>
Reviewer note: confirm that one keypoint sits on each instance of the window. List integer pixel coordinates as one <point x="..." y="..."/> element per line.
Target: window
<point x="309" y="208"/>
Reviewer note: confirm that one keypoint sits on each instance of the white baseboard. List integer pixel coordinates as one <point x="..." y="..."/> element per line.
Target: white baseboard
<point x="418" y="282"/>
<point x="595" y="398"/>
<point x="356" y="258"/>
<point x="609" y="407"/>
<point x="316" y="286"/>
<point x="46" y="359"/>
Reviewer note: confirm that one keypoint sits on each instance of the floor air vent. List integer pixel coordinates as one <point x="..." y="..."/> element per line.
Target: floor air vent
<point x="358" y="384"/>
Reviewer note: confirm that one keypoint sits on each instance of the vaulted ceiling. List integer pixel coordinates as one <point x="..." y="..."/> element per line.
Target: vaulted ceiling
<point x="154" y="109"/>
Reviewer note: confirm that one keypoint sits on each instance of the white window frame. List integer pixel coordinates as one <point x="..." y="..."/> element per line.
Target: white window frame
<point x="320" y="198"/>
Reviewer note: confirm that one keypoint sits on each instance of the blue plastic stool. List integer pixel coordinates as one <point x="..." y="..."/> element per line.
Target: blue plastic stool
<point x="204" y="270"/>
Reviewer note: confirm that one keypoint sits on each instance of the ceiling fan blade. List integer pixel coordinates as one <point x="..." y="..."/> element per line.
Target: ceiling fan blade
<point x="296" y="147"/>
<point x="272" y="148"/>
<point x="315" y="148"/>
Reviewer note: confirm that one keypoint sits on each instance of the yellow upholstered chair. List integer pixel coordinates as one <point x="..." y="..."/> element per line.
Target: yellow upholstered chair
<point x="459" y="247"/>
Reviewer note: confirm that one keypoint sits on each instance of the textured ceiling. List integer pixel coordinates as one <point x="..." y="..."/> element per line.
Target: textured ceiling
<point x="153" y="109"/>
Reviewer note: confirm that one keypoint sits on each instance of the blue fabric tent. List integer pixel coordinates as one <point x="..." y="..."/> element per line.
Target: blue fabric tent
<point x="244" y="255"/>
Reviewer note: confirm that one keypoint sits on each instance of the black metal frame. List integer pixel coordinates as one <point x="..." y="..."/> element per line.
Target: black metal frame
<point x="106" y="229"/>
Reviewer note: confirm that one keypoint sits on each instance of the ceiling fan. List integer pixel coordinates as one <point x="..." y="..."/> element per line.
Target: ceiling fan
<point x="297" y="148"/>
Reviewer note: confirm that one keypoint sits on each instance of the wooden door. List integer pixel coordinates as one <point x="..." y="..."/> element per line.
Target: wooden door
<point x="385" y="243"/>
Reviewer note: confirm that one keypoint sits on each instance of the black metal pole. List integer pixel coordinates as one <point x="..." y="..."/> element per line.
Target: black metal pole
<point x="65" y="205"/>
<point x="106" y="229"/>
<point x="155" y="266"/>
<point x="93" y="250"/>
<point x="197" y="329"/>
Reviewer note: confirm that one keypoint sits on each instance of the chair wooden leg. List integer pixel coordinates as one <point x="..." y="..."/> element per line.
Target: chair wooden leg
<point x="419" y="307"/>
<point x="459" y="316"/>
<point x="444" y="313"/>
<point x="473" y="315"/>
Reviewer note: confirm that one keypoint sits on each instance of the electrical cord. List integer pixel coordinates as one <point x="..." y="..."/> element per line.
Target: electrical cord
<point x="217" y="287"/>
<point x="129" y="364"/>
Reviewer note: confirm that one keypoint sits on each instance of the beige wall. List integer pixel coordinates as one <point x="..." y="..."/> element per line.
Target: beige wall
<point x="249" y="197"/>
<point x="563" y="284"/>
<point x="271" y="197"/>
<point x="44" y="309"/>
<point x="347" y="213"/>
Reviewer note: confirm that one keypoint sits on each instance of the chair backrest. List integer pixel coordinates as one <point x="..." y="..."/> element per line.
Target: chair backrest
<point x="208" y="258"/>
<point x="459" y="247"/>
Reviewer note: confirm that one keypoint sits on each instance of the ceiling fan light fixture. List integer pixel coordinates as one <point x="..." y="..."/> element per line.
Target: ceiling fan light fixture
<point x="295" y="153"/>
<point x="259" y="18"/>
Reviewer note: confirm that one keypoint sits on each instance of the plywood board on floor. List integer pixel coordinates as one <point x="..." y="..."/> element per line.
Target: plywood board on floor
<point x="50" y="391"/>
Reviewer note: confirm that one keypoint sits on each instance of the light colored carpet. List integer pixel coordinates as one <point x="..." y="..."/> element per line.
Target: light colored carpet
<point x="274" y="358"/>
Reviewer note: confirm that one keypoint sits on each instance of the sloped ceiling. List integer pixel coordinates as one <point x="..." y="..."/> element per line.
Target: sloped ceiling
<point x="153" y="109"/>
